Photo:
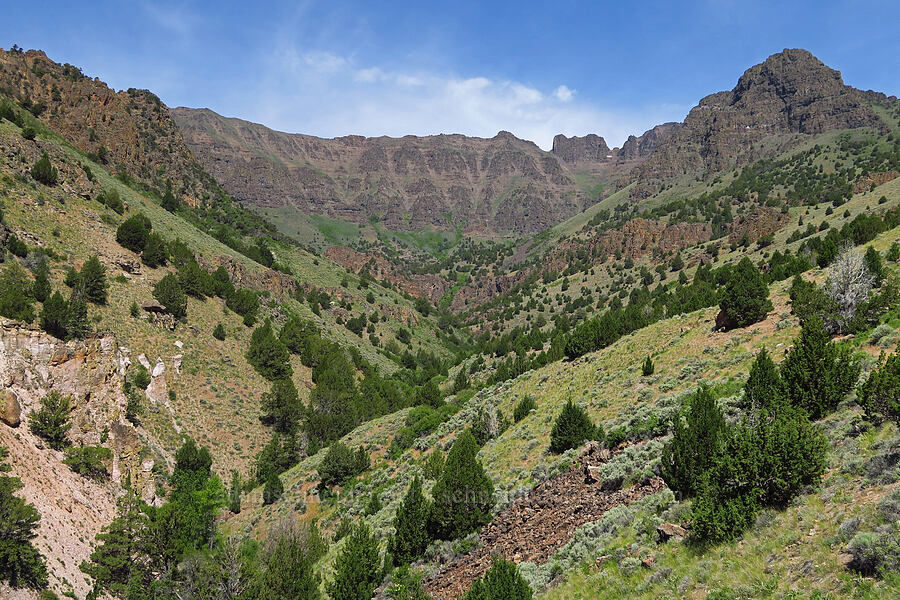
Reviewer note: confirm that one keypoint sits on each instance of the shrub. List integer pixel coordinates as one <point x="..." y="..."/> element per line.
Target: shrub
<point x="51" y="421"/>
<point x="219" y="332"/>
<point x="169" y="293"/>
<point x="524" y="408"/>
<point x="89" y="461"/>
<point x="140" y="377"/>
<point x="817" y="372"/>
<point x="879" y="395"/>
<point x="745" y="299"/>
<point x="464" y="494"/>
<point x="112" y="200"/>
<point x="876" y="553"/>
<point x="571" y="428"/>
<point x="43" y="171"/>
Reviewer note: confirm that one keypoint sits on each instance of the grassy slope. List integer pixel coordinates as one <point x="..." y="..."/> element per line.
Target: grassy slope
<point x="770" y="561"/>
<point x="217" y="393"/>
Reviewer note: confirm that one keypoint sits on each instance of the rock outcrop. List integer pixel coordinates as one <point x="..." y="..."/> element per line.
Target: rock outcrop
<point x="789" y="96"/>
<point x="574" y="150"/>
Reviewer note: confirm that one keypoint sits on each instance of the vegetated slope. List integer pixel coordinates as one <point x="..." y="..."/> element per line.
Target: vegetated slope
<point x="501" y="184"/>
<point x="618" y="553"/>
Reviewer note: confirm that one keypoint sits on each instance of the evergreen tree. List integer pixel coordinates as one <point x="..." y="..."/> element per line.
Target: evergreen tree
<point x="40" y="289"/>
<point x="357" y="570"/>
<point x="169" y="293"/>
<point x="341" y="463"/>
<point x="21" y="565"/>
<point x="647" y="368"/>
<point x="219" y="332"/>
<point x="169" y="201"/>
<point x="745" y="299"/>
<point x="410" y="536"/>
<point x="464" y="495"/>
<point x="429" y="395"/>
<point x="694" y="445"/>
<point x="93" y="280"/>
<point x="155" y="253"/>
<point x="234" y="493"/>
<point x="818" y="373"/>
<point x="764" y="386"/>
<point x="874" y="264"/>
<point x="43" y="171"/>
<point x="268" y="355"/>
<point x="122" y="560"/>
<point x="571" y="428"/>
<point x="880" y="393"/>
<point x="133" y="233"/>
<point x="15" y="294"/>
<point x="51" y="421"/>
<point x="273" y="489"/>
<point x="53" y="316"/>
<point x="286" y="566"/>
<point x="77" y="325"/>
<point x="194" y="500"/>
<point x="282" y="406"/>
<point x="501" y="582"/>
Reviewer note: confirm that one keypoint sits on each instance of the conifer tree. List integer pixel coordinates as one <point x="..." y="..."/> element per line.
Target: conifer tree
<point x="647" y="368"/>
<point x="268" y="355"/>
<point x="51" y="421"/>
<point x="694" y="445"/>
<point x="571" y="428"/>
<point x="285" y="568"/>
<point x="77" y="325"/>
<point x="501" y="582"/>
<point x="880" y="393"/>
<point x="15" y="294"/>
<point x="764" y="387"/>
<point x="817" y="372"/>
<point x="464" y="495"/>
<point x="40" y="289"/>
<point x="133" y="232"/>
<point x="93" y="280"/>
<point x="43" y="171"/>
<point x="169" y="293"/>
<point x="282" y="406"/>
<point x="155" y="253"/>
<point x="410" y="536"/>
<point x="21" y="565"/>
<point x="357" y="570"/>
<point x="745" y="299"/>
<point x="53" y="316"/>
<point x="234" y="493"/>
<point x="273" y="489"/>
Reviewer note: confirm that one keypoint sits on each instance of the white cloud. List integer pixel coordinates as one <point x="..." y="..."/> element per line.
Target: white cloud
<point x="324" y="94"/>
<point x="563" y="93"/>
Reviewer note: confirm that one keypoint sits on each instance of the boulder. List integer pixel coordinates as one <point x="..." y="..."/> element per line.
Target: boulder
<point x="670" y="531"/>
<point x="10" y="410"/>
<point x="152" y="306"/>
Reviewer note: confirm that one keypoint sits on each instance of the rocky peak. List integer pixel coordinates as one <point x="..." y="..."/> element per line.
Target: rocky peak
<point x="643" y="146"/>
<point x="575" y="149"/>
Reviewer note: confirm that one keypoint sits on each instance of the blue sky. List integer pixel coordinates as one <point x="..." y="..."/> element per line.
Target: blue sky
<point x="419" y="67"/>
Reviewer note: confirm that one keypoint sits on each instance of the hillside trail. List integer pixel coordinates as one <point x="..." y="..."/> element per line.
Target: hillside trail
<point x="534" y="527"/>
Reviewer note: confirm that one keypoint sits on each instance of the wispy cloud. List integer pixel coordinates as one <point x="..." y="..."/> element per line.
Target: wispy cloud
<point x="326" y="94"/>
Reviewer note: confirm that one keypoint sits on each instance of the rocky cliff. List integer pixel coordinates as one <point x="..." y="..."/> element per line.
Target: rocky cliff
<point x="590" y="148"/>
<point x="790" y="95"/>
<point x="73" y="508"/>
<point x="501" y="184"/>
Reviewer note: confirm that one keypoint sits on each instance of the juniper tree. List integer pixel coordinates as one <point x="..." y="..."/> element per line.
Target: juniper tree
<point x="133" y="232"/>
<point x="282" y="406"/>
<point x="155" y="253"/>
<point x="43" y="171"/>
<point x="464" y="495"/>
<point x="40" y="289"/>
<point x="694" y="445"/>
<point x="93" y="280"/>
<point x="571" y="428"/>
<point x="21" y="565"/>
<point x="647" y="368"/>
<point x="410" y="537"/>
<point x="169" y="293"/>
<point x="357" y="570"/>
<point x="51" y="421"/>
<point x="268" y="355"/>
<point x="53" y="316"/>
<point x="817" y="372"/>
<point x="745" y="299"/>
<point x="880" y="393"/>
<point x="16" y="301"/>
<point x="764" y="385"/>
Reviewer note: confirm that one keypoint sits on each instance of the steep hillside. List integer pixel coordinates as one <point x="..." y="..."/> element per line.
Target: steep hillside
<point x="773" y="106"/>
<point x="502" y="184"/>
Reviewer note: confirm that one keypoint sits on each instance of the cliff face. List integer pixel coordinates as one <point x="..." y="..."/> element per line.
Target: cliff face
<point x="131" y="131"/>
<point x="590" y="148"/>
<point x="500" y="184"/>
<point x="792" y="93"/>
<point x="73" y="508"/>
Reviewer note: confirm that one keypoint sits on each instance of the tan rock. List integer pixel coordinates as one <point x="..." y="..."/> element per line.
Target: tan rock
<point x="10" y="409"/>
